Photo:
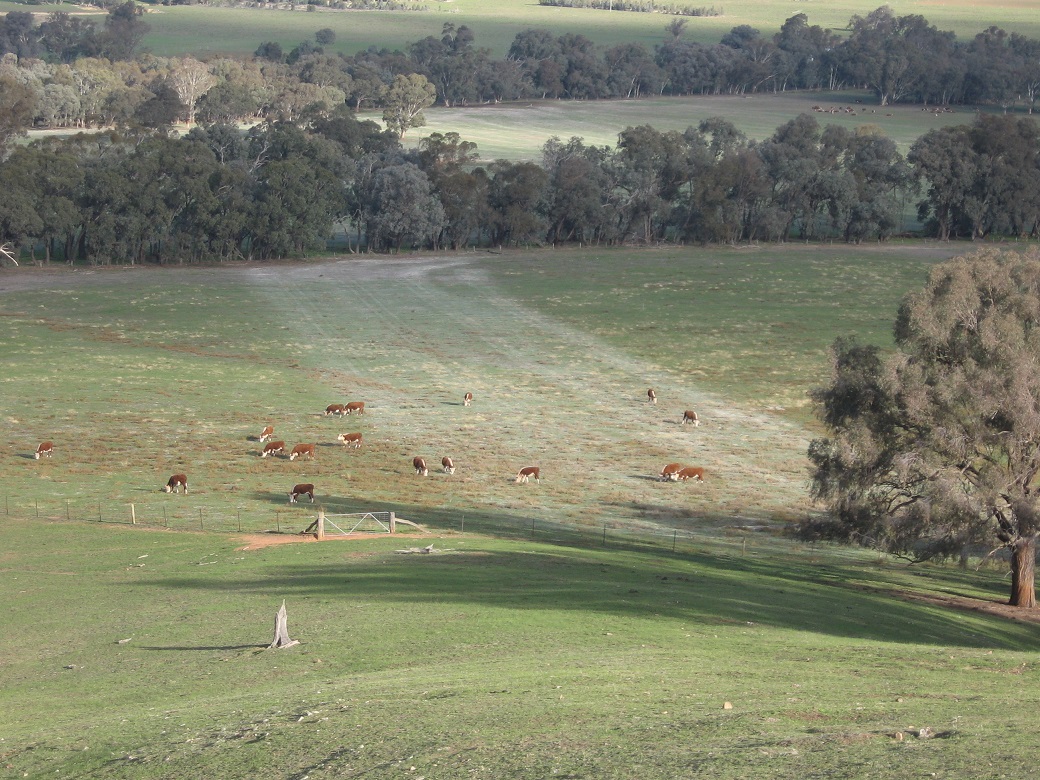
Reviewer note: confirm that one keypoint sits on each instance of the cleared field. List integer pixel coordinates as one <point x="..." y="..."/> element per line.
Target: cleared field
<point x="136" y="652"/>
<point x="203" y="30"/>
<point x="517" y="131"/>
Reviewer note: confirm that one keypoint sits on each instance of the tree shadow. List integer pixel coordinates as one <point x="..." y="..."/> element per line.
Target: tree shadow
<point x="205" y="647"/>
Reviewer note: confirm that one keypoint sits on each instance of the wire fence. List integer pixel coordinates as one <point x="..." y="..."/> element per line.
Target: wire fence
<point x="181" y="515"/>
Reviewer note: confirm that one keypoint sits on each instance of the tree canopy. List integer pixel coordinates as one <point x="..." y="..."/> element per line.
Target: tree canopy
<point x="936" y="447"/>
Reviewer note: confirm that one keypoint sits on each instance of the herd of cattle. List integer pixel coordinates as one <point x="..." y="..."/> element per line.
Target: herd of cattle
<point x="674" y="472"/>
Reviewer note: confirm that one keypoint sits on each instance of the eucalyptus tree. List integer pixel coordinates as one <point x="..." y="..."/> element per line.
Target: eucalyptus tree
<point x="936" y="447"/>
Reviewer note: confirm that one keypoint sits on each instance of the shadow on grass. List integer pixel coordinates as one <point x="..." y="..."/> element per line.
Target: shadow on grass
<point x="782" y="588"/>
<point x="206" y="647"/>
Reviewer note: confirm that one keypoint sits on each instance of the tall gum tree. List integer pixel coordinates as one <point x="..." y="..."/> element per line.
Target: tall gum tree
<point x="937" y="446"/>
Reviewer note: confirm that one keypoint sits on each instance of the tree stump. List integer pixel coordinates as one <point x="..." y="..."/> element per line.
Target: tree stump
<point x="281" y="630"/>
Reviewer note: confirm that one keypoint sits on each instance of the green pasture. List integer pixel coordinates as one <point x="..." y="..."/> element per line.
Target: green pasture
<point x="517" y="131"/>
<point x="591" y="625"/>
<point x="218" y="30"/>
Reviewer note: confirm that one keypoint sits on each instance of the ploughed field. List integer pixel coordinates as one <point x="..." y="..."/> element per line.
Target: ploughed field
<point x="136" y="651"/>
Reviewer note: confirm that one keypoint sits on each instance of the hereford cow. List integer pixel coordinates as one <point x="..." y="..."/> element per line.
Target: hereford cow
<point x="690" y="416"/>
<point x="350" y="439"/>
<point x="526" y="473"/>
<point x="300" y="450"/>
<point x="176" y="481"/>
<point x="690" y="472"/>
<point x="273" y="448"/>
<point x="448" y="465"/>
<point x="354" y="406"/>
<point x="467" y="399"/>
<point x="670" y="471"/>
<point x="266" y="433"/>
<point x="335" y="409"/>
<point x="44" y="450"/>
<point x="419" y="464"/>
<point x="303" y="489"/>
<point x="651" y="396"/>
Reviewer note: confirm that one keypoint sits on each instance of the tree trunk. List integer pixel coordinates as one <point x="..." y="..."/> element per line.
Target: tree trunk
<point x="1023" y="567"/>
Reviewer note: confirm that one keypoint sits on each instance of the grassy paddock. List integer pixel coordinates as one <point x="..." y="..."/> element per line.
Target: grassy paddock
<point x="511" y="656"/>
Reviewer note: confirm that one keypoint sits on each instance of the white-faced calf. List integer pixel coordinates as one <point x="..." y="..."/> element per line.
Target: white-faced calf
<point x="300" y="450"/>
<point x="266" y="433"/>
<point x="524" y="474"/>
<point x="448" y="465"/>
<point x="354" y="406"/>
<point x="670" y="471"/>
<point x="419" y="464"/>
<point x="273" y="448"/>
<point x="44" y="450"/>
<point x="303" y="489"/>
<point x="334" y="409"/>
<point x="467" y="399"/>
<point x="350" y="439"/>
<point x="175" y="483"/>
<point x="651" y="396"/>
<point x="690" y="416"/>
<point x="690" y="472"/>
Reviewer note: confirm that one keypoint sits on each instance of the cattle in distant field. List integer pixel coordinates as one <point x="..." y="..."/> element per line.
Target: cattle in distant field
<point x="690" y="472"/>
<point x="337" y="409"/>
<point x="651" y="396"/>
<point x="44" y="450"/>
<point x="467" y="399"/>
<point x="302" y="489"/>
<point x="669" y="471"/>
<point x="448" y="465"/>
<point x="177" y="481"/>
<point x="266" y="433"/>
<point x="350" y="440"/>
<point x="354" y="406"/>
<point x="524" y="474"/>
<point x="690" y="416"/>
<point x="300" y="450"/>
<point x="273" y="448"/>
<point x="419" y="464"/>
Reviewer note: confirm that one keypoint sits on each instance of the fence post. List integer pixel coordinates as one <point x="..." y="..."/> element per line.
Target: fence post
<point x="604" y="534"/>
<point x="240" y="520"/>
<point x="99" y="512"/>
<point x="133" y="515"/>
<point x="277" y="521"/>
<point x="743" y="545"/>
<point x="201" y="526"/>
<point x="165" y="520"/>
<point x="37" y="507"/>
<point x="393" y="522"/>
<point x="674" y="534"/>
<point x="462" y="526"/>
<point x="68" y="512"/>
<point x="321" y="524"/>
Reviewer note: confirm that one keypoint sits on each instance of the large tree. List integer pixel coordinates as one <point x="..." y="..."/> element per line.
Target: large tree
<point x="937" y="447"/>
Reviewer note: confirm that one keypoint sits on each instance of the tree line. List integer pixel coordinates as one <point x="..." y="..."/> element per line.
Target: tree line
<point x="67" y="71"/>
<point x="283" y="188"/>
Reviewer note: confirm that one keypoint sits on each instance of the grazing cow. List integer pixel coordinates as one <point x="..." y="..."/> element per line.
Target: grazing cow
<point x="303" y="489"/>
<point x="354" y="406"/>
<point x="526" y="473"/>
<point x="176" y="481"/>
<point x="351" y="439"/>
<point x="690" y="472"/>
<point x="467" y="399"/>
<point x="44" y="450"/>
<point x="419" y="464"/>
<point x="448" y="465"/>
<point x="266" y="433"/>
<point x="669" y="472"/>
<point x="651" y="396"/>
<point x="690" y="416"/>
<point x="300" y="450"/>
<point x="335" y="409"/>
<point x="273" y="448"/>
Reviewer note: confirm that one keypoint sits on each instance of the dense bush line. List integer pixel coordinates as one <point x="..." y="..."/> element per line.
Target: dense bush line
<point x="282" y="189"/>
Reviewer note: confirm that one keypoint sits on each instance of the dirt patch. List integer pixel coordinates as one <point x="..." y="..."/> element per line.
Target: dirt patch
<point x="259" y="541"/>
<point x="973" y="605"/>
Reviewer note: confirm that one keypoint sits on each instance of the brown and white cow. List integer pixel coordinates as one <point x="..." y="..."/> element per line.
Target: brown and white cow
<point x="266" y="433"/>
<point x="448" y="465"/>
<point x="690" y="416"/>
<point x="303" y="489"/>
<point x="670" y="471"/>
<point x="350" y="440"/>
<point x="419" y="464"/>
<point x="335" y="409"/>
<point x="526" y="473"/>
<point x="467" y="399"/>
<point x="300" y="450"/>
<point x="44" y="450"/>
<point x="690" y="472"/>
<point x="651" y="396"/>
<point x="354" y="406"/>
<point x="273" y="448"/>
<point x="177" y="481"/>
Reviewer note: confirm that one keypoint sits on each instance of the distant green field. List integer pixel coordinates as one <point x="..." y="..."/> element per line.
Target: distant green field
<point x="204" y="30"/>
<point x="519" y="130"/>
